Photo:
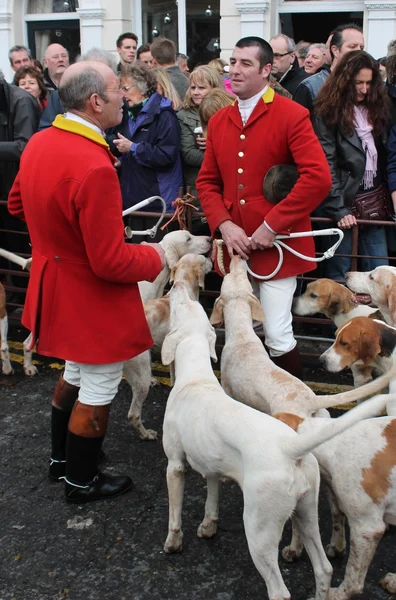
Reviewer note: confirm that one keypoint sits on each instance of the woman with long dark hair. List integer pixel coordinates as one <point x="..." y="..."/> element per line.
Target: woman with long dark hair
<point x="351" y="115"/>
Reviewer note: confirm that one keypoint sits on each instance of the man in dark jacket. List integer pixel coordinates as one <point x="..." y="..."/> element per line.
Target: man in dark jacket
<point x="343" y="39"/>
<point x="164" y="55"/>
<point x="19" y="117"/>
<point x="285" y="67"/>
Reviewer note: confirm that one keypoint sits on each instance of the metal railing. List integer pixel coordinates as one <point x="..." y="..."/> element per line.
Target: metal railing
<point x="307" y="328"/>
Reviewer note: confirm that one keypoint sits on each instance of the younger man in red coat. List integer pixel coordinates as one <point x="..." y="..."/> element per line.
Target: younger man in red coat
<point x="83" y="302"/>
<point x="260" y="130"/>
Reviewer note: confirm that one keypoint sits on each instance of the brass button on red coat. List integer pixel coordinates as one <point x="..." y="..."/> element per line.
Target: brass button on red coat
<point x="241" y="154"/>
<point x="240" y="171"/>
<point x="242" y="201"/>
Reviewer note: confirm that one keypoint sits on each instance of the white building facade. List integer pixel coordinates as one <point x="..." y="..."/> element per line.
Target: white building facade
<point x="202" y="29"/>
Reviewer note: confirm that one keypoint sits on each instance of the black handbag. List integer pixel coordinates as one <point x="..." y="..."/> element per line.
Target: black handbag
<point x="373" y="205"/>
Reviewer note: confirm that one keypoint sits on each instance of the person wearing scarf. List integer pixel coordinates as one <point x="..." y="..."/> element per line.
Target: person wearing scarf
<point x="351" y="116"/>
<point x="148" y="142"/>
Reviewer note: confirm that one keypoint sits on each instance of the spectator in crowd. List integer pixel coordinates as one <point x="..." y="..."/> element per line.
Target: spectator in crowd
<point x="260" y="130"/>
<point x="343" y="39"/>
<point x="182" y="63"/>
<point x="351" y="116"/>
<point x="55" y="105"/>
<point x="382" y="67"/>
<point x="68" y="193"/>
<point x="218" y="64"/>
<point x="203" y="79"/>
<point x="144" y="55"/>
<point x="31" y="80"/>
<point x="19" y="117"/>
<point x="56" y="61"/>
<point x="211" y="104"/>
<point x="19" y="56"/>
<point x="315" y="59"/>
<point x="166" y="88"/>
<point x="285" y="68"/>
<point x="148" y="141"/>
<point x="126" y="48"/>
<point x="301" y="52"/>
<point x="391" y="78"/>
<point x="164" y="55"/>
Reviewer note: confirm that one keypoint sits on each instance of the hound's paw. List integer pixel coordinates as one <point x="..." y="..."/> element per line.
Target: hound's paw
<point x="207" y="530"/>
<point x="291" y="554"/>
<point x="148" y="434"/>
<point x="31" y="370"/>
<point x="174" y="542"/>
<point x="337" y="594"/>
<point x="389" y="583"/>
<point x="7" y="369"/>
<point x="333" y="552"/>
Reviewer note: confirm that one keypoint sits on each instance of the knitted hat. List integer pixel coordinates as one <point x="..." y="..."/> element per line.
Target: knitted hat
<point x="279" y="181"/>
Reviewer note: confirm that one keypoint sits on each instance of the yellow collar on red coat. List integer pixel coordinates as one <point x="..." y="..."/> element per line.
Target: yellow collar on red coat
<point x="80" y="129"/>
<point x="267" y="97"/>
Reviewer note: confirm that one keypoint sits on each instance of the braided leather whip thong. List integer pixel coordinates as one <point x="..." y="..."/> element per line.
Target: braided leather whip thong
<point x="219" y="244"/>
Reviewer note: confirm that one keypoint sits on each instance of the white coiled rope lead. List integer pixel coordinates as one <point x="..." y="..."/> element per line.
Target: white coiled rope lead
<point x="153" y="230"/>
<point x="278" y="244"/>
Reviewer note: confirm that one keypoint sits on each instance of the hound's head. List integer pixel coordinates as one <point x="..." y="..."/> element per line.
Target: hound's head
<point x="191" y="269"/>
<point x="178" y="243"/>
<point x="378" y="286"/>
<point x="324" y="296"/>
<point x="236" y="286"/>
<point x="360" y="339"/>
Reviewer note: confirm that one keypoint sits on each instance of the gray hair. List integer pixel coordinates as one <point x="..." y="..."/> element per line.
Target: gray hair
<point x="143" y="78"/>
<point x="17" y="49"/>
<point x="75" y="90"/>
<point x="320" y="46"/>
<point x="99" y="55"/>
<point x="290" y="43"/>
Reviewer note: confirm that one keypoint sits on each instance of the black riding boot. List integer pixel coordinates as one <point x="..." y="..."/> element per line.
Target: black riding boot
<point x="84" y="482"/>
<point x="63" y="401"/>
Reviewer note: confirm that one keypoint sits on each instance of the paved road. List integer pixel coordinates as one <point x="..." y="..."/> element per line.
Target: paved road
<point x="50" y="550"/>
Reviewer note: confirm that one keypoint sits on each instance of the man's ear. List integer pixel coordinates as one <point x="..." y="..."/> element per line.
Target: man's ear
<point x="256" y="308"/>
<point x="216" y="318"/>
<point x="212" y="344"/>
<point x="169" y="348"/>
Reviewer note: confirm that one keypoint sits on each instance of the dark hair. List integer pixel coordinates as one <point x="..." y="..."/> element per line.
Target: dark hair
<point x="38" y="66"/>
<point x="32" y="72"/>
<point x="338" y="35"/>
<point x="265" y="53"/>
<point x="163" y="50"/>
<point x="126" y="36"/>
<point x="382" y="61"/>
<point x="142" y="48"/>
<point x="336" y="100"/>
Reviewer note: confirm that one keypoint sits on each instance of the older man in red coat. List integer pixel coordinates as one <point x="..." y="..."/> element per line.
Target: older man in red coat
<point x="83" y="302"/>
<point x="260" y="130"/>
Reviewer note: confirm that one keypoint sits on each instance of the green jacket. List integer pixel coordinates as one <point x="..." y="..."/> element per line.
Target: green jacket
<point x="192" y="156"/>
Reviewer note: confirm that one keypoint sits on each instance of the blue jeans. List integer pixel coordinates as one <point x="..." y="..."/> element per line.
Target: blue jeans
<point x="372" y="242"/>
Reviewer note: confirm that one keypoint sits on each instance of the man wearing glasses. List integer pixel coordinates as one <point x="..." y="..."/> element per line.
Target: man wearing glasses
<point x="286" y="69"/>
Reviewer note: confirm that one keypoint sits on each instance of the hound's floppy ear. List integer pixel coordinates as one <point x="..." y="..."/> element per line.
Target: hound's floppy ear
<point x="216" y="318"/>
<point x="169" y="348"/>
<point x="212" y="344"/>
<point x="172" y="273"/>
<point x="257" y="311"/>
<point x="369" y="346"/>
<point x="200" y="275"/>
<point x="392" y="302"/>
<point x="171" y="256"/>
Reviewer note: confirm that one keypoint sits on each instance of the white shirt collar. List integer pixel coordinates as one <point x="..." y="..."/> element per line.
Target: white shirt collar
<point x="247" y="106"/>
<point x="78" y="119"/>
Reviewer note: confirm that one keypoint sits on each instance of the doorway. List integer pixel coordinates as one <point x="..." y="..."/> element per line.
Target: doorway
<point x="316" y="27"/>
<point x="43" y="33"/>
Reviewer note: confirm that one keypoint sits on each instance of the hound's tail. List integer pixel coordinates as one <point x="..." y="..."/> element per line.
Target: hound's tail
<point x="306" y="442"/>
<point x="360" y="393"/>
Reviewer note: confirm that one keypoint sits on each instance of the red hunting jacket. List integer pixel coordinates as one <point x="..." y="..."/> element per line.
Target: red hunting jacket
<point x="83" y="302"/>
<point x="237" y="157"/>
